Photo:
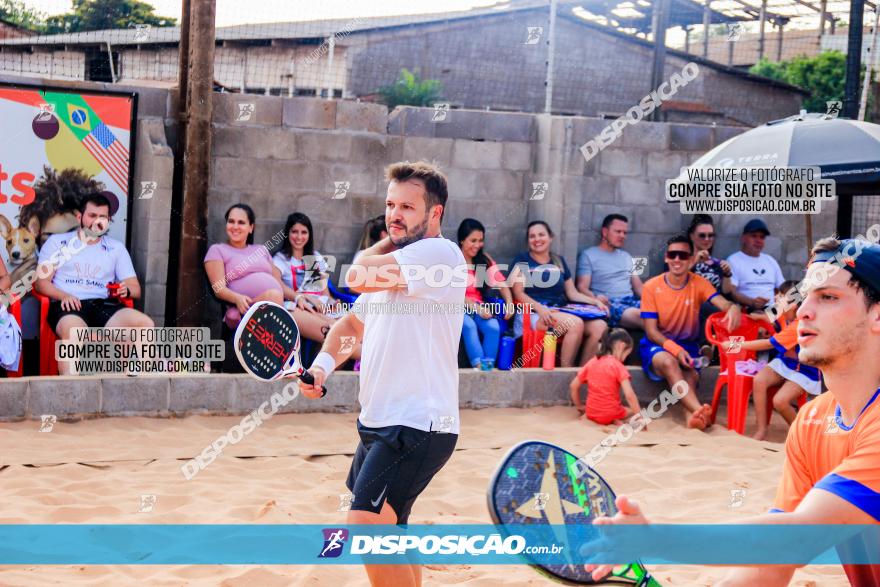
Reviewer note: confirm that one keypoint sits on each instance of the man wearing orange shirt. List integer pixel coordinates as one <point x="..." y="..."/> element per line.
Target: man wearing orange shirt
<point x="671" y="315"/>
<point x="831" y="473"/>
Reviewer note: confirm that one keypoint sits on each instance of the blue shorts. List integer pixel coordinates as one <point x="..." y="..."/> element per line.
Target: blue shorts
<point x="617" y="306"/>
<point x="647" y="350"/>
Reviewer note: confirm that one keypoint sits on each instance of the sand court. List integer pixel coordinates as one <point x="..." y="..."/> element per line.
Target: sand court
<point x="291" y="470"/>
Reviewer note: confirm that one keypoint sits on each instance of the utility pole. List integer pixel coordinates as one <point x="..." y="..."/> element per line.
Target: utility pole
<point x="851" y="99"/>
<point x="659" y="20"/>
<point x="192" y="165"/>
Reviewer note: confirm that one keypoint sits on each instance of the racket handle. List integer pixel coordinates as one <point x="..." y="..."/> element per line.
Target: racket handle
<point x="310" y="380"/>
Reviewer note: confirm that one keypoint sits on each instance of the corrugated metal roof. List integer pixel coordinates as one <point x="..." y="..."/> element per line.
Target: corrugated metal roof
<point x="312" y="29"/>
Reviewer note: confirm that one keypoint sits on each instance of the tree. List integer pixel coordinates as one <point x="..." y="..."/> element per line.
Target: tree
<point x="15" y="12"/>
<point x="410" y="90"/>
<point x="96" y="15"/>
<point x="823" y="75"/>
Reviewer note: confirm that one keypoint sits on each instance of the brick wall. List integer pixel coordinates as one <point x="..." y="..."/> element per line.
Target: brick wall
<point x="485" y="63"/>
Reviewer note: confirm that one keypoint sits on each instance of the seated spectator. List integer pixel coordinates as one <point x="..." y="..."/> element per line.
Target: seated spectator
<point x="714" y="270"/>
<point x="542" y="279"/>
<point x="241" y="272"/>
<point x="304" y="275"/>
<point x="374" y="231"/>
<point x="784" y="370"/>
<point x="671" y="313"/>
<point x="483" y="274"/>
<point x="77" y="287"/>
<point x="755" y="275"/>
<point x="605" y="376"/>
<point x="606" y="272"/>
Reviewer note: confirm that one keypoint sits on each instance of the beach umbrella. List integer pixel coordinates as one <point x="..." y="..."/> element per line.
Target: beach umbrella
<point x="847" y="151"/>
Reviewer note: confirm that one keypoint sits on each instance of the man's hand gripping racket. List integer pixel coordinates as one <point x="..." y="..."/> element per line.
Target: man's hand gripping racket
<point x="267" y="345"/>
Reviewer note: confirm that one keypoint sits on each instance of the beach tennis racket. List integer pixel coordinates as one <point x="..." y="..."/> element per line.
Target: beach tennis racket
<point x="532" y="469"/>
<point x="267" y="344"/>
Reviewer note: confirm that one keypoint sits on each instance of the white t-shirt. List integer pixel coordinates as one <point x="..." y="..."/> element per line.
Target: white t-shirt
<point x="86" y="274"/>
<point x="409" y="358"/>
<point x="756" y="277"/>
<point x="308" y="273"/>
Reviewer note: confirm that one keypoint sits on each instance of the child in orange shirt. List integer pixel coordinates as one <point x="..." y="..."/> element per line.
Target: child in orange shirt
<point x="784" y="370"/>
<point x="605" y="375"/>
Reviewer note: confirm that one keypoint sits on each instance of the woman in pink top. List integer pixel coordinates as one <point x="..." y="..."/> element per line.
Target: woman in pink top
<point x="483" y="274"/>
<point x="242" y="273"/>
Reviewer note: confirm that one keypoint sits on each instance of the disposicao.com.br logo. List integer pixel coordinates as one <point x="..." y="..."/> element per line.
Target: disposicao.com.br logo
<point x="396" y="544"/>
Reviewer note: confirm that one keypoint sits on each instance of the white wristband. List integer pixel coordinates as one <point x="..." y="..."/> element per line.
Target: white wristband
<point x="325" y="361"/>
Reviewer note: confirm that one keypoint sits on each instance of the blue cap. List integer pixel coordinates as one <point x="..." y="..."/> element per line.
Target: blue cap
<point x="756" y="225"/>
<point x="860" y="257"/>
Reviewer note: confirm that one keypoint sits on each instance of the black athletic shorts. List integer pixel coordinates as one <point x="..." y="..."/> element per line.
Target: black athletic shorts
<point x="95" y="313"/>
<point x="395" y="464"/>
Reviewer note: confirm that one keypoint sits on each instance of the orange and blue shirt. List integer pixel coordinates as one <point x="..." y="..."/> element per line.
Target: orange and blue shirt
<point x="821" y="452"/>
<point x="677" y="310"/>
<point x="785" y="343"/>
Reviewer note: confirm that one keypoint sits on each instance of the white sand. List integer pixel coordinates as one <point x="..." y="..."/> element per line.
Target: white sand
<point x="95" y="472"/>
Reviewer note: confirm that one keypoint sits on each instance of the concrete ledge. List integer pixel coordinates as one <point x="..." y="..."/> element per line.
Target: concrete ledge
<point x="73" y="398"/>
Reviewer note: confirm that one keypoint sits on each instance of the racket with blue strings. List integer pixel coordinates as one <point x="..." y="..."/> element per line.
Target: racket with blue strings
<point x="570" y="495"/>
<point x="267" y="344"/>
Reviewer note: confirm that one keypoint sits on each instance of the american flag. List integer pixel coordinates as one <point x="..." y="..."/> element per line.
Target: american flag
<point x="110" y="153"/>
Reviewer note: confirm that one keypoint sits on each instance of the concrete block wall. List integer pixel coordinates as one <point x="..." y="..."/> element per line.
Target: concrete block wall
<point x="75" y="398"/>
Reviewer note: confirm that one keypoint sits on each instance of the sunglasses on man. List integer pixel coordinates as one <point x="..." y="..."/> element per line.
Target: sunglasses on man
<point x="681" y="255"/>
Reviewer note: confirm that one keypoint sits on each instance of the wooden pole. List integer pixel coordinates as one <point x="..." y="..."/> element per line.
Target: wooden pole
<point x="779" y="45"/>
<point x="197" y="164"/>
<point x="761" y="29"/>
<point x="707" y="21"/>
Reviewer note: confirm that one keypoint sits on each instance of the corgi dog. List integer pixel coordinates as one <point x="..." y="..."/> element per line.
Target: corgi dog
<point x="21" y="246"/>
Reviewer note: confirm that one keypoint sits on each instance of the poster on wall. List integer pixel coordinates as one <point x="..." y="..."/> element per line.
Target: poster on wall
<point x="58" y="144"/>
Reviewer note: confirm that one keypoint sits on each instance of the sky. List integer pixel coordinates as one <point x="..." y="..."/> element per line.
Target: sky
<point x="231" y="12"/>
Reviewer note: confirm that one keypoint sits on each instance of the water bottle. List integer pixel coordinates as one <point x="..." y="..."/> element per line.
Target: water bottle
<point x="549" y="360"/>
<point x="505" y="351"/>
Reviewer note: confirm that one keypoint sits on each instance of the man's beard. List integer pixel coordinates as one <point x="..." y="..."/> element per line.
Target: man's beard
<point x="846" y="343"/>
<point x="96" y="230"/>
<point x="416" y="234"/>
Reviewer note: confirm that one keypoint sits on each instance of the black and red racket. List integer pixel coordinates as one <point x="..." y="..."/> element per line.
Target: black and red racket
<point x="267" y="344"/>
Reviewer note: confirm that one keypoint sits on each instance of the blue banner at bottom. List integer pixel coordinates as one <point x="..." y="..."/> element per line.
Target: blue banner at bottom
<point x="154" y="544"/>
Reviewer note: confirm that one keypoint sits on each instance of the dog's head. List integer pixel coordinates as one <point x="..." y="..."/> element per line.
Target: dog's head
<point x="21" y="244"/>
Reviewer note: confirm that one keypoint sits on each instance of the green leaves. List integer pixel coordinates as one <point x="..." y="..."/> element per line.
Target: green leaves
<point x="822" y="75"/>
<point x="410" y="90"/>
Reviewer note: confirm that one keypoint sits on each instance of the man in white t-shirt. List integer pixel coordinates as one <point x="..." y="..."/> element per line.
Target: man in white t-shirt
<point x="755" y="275"/>
<point x="409" y="320"/>
<point x="75" y="269"/>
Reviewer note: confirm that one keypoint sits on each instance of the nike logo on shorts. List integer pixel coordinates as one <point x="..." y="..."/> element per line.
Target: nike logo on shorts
<point x="379" y="499"/>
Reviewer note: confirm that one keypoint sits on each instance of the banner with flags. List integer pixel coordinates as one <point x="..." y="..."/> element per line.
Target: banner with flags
<point x="54" y="141"/>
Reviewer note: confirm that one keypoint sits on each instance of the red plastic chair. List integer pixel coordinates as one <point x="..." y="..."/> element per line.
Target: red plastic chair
<point x="15" y="311"/>
<point x="739" y="386"/>
<point x="48" y="364"/>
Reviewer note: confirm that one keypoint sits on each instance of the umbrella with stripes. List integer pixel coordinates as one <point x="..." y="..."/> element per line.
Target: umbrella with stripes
<point x="847" y="151"/>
